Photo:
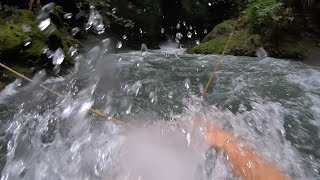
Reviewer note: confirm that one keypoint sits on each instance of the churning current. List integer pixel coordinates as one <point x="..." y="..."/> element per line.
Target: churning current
<point x="272" y="105"/>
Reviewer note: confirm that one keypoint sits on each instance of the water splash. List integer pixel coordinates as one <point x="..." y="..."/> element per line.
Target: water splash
<point x="95" y="20"/>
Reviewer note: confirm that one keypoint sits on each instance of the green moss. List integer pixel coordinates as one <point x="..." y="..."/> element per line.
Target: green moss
<point x="12" y="37"/>
<point x="243" y="42"/>
<point x="221" y="29"/>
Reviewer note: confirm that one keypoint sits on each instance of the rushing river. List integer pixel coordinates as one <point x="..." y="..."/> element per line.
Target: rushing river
<point x="272" y="105"/>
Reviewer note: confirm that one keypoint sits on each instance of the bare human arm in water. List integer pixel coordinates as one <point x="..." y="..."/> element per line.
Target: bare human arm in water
<point x="246" y="163"/>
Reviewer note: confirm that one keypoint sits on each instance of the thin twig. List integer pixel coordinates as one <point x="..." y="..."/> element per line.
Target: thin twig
<point x="217" y="65"/>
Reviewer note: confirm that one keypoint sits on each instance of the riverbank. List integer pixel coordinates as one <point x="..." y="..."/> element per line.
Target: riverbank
<point x="282" y="30"/>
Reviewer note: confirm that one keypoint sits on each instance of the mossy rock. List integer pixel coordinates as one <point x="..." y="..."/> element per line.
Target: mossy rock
<point x="242" y="43"/>
<point x="12" y="39"/>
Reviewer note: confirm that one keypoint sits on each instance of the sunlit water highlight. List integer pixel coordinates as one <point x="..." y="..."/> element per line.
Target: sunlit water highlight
<point x="272" y="105"/>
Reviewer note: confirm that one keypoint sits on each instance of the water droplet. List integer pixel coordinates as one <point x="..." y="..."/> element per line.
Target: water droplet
<point x="95" y="20"/>
<point x="162" y="30"/>
<point x="129" y="109"/>
<point x="140" y="30"/>
<point x="187" y="83"/>
<point x="144" y="47"/>
<point x="197" y="41"/>
<point x="124" y="37"/>
<point x="209" y="4"/>
<point x="177" y="40"/>
<point x="49" y="54"/>
<point x="189" y="139"/>
<point x="106" y="42"/>
<point x="184" y="23"/>
<point x="136" y="87"/>
<point x="190" y="27"/>
<point x="114" y="10"/>
<point x="45" y="50"/>
<point x="249" y="164"/>
<point x="170" y="95"/>
<point x="261" y="52"/>
<point x="44" y="24"/>
<point x="58" y="57"/>
<point x="189" y="34"/>
<point x="27" y="41"/>
<point x="178" y="26"/>
<point x="25" y="28"/>
<point x="72" y="51"/>
<point x="179" y="36"/>
<point x="153" y="97"/>
<point x="100" y="28"/>
<point x="48" y="8"/>
<point x="205" y="31"/>
<point x="75" y="31"/>
<point x="195" y="32"/>
<point x="201" y="88"/>
<point x="67" y="16"/>
<point x="119" y="45"/>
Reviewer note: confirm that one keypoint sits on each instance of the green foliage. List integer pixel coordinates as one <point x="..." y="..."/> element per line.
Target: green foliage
<point x="267" y="15"/>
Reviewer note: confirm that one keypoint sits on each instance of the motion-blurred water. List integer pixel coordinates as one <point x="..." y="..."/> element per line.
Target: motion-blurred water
<point x="272" y="105"/>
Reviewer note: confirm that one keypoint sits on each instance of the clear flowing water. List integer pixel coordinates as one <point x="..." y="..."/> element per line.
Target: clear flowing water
<point x="272" y="105"/>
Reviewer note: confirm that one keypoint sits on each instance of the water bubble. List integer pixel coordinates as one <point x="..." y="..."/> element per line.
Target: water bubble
<point x="162" y="30"/>
<point x="119" y="45"/>
<point x="205" y="31"/>
<point x="209" y="4"/>
<point x="25" y="28"/>
<point x="27" y="41"/>
<point x="187" y="83"/>
<point x="44" y="24"/>
<point x="170" y="95"/>
<point x="124" y="37"/>
<point x="189" y="34"/>
<point x="67" y="16"/>
<point x="178" y="26"/>
<point x="58" y="57"/>
<point x="75" y="31"/>
<point x="179" y="36"/>
<point x="197" y="41"/>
